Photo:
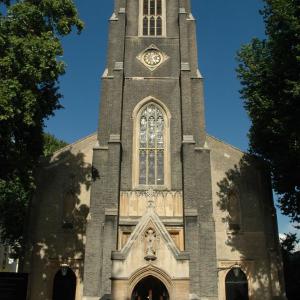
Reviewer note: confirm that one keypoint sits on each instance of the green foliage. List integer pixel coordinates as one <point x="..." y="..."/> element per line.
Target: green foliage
<point x="30" y="67"/>
<point x="14" y="196"/>
<point x="269" y="71"/>
<point x="52" y="144"/>
<point x="288" y="244"/>
<point x="291" y="264"/>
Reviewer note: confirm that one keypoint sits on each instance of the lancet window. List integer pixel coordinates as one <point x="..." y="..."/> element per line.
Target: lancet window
<point x="236" y="285"/>
<point x="152" y="145"/>
<point x="234" y="211"/>
<point x="153" y="17"/>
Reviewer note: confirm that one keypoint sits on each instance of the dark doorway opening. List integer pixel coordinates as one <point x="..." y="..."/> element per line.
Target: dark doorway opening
<point x="64" y="286"/>
<point x="150" y="288"/>
<point x="13" y="286"/>
<point x="236" y="285"/>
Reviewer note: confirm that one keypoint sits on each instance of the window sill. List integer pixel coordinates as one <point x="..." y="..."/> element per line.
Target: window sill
<point x="153" y="187"/>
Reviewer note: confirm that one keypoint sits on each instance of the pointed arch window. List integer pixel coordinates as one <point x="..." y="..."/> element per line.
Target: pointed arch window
<point x="234" y="211"/>
<point x="236" y="285"/>
<point x="151" y="146"/>
<point x="152" y="16"/>
<point x="151" y="158"/>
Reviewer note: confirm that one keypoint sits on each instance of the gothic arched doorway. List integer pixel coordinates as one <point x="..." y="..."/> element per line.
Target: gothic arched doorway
<point x="64" y="286"/>
<point x="150" y="288"/>
<point x="236" y="285"/>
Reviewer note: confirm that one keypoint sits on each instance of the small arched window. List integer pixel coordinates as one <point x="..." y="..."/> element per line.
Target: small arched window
<point x="236" y="285"/>
<point x="64" y="285"/>
<point x="151" y="142"/>
<point x="152" y="17"/>
<point x="69" y="205"/>
<point x="234" y="211"/>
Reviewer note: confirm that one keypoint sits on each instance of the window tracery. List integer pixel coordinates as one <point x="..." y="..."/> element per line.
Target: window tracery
<point x="152" y="16"/>
<point x="151" y="146"/>
<point x="151" y="158"/>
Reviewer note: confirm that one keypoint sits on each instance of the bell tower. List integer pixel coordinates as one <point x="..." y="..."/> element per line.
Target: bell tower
<point x="151" y="232"/>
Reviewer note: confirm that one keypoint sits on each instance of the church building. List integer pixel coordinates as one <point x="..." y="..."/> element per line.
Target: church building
<point x="151" y="206"/>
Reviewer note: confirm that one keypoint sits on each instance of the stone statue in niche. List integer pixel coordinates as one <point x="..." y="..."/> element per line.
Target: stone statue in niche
<point x="150" y="240"/>
<point x="150" y="194"/>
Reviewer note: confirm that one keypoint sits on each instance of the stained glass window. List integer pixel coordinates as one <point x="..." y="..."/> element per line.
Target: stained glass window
<point x="158" y="7"/>
<point x="152" y="18"/>
<point x="152" y="7"/>
<point x="158" y="26"/>
<point x="152" y="26"/>
<point x="151" y="146"/>
<point x="145" y="26"/>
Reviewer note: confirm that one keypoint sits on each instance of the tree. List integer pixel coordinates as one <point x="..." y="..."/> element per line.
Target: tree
<point x="30" y="67"/>
<point x="269" y="71"/>
<point x="52" y="144"/>
<point x="288" y="244"/>
<point x="291" y="264"/>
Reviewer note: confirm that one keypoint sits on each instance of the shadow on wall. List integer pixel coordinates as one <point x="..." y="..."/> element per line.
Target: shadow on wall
<point x="59" y="217"/>
<point x="245" y="198"/>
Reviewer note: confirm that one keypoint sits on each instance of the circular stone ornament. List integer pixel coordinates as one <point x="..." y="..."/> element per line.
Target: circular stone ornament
<point x="152" y="57"/>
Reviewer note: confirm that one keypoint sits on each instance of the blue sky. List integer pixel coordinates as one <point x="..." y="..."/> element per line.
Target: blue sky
<point x="222" y="27"/>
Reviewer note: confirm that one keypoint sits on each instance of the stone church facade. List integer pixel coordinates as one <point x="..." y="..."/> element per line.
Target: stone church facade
<point x="151" y="206"/>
